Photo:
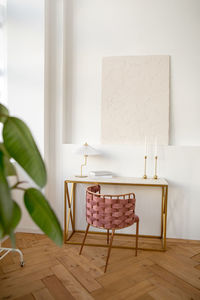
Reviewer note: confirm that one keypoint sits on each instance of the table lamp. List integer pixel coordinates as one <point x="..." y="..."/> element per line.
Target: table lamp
<point x="86" y="151"/>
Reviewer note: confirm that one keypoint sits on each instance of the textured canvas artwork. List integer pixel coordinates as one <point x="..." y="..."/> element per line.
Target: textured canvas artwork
<point x="135" y="99"/>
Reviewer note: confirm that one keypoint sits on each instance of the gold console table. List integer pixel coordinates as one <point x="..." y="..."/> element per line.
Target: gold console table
<point x="70" y="206"/>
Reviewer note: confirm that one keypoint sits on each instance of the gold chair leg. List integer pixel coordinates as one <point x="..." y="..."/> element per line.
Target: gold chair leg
<point x="107" y="236"/>
<point x="86" y="232"/>
<point x="137" y="231"/>
<point x="109" y="249"/>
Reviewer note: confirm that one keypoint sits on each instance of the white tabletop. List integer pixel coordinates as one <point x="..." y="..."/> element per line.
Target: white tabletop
<point x="119" y="180"/>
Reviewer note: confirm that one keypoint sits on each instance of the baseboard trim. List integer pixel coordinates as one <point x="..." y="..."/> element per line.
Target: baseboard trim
<point x="39" y="231"/>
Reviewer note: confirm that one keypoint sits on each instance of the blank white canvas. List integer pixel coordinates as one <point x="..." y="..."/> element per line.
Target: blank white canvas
<point x="135" y="99"/>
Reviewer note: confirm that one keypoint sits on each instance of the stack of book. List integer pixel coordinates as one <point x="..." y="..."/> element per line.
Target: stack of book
<point x="102" y="174"/>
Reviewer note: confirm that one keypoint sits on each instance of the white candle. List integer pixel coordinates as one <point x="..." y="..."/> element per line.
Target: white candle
<point x="156" y="146"/>
<point x="145" y="145"/>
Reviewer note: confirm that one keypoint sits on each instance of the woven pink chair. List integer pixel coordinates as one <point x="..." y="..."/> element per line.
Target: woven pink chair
<point x="110" y="212"/>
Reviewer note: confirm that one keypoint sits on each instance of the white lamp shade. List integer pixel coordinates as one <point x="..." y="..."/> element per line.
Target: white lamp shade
<point x="86" y="150"/>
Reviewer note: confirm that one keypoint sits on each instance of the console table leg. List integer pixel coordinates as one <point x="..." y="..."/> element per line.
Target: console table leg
<point x="74" y="207"/>
<point x="162" y="211"/>
<point x="65" y="211"/>
<point x="69" y="215"/>
<point x="165" y="218"/>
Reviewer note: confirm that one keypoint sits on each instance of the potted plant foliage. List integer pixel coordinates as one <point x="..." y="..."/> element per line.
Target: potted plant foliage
<point x="18" y="144"/>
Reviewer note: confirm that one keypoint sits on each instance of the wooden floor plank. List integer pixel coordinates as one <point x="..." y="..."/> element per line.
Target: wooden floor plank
<point x="26" y="279"/>
<point x="146" y="297"/>
<point x="56" y="288"/>
<point x="186" y="273"/>
<point x="52" y="272"/>
<point x="168" y="279"/>
<point x="84" y="262"/>
<point x="26" y="297"/>
<point x="43" y="294"/>
<point x="135" y="291"/>
<point x="84" y="277"/>
<point x="196" y="257"/>
<point x="197" y="267"/>
<point x="21" y="290"/>
<point x="113" y="285"/>
<point x="180" y="254"/>
<point x="132" y="269"/>
<point x="28" y="269"/>
<point x="95" y="255"/>
<point x="75" y="288"/>
<point x="165" y="294"/>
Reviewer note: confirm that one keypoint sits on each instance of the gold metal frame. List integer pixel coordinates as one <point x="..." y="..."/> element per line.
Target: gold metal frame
<point x="83" y="165"/>
<point x="155" y="167"/>
<point x="70" y="210"/>
<point x="145" y="167"/>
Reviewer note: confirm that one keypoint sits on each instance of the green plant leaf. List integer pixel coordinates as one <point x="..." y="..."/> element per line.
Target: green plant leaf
<point x="3" y="113"/>
<point x="21" y="146"/>
<point x="2" y="234"/>
<point x="9" y="167"/>
<point x="6" y="203"/>
<point x="16" y="215"/>
<point x="15" y="221"/>
<point x="3" y="149"/>
<point x="12" y="238"/>
<point x="42" y="214"/>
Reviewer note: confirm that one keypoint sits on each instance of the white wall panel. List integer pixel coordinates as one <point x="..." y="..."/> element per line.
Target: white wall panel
<point x="135" y="99"/>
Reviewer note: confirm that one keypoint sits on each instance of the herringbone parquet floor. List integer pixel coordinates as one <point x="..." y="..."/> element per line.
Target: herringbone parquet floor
<point x="60" y="273"/>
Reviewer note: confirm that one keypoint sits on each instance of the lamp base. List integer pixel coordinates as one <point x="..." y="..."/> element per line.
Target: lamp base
<point x="81" y="176"/>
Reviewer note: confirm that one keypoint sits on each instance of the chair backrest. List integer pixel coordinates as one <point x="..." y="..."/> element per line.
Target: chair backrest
<point x="109" y="211"/>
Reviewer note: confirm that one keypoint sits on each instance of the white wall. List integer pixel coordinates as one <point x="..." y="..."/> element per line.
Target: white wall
<point x="116" y="27"/>
<point x="132" y="27"/>
<point x="179" y="165"/>
<point x="137" y="27"/>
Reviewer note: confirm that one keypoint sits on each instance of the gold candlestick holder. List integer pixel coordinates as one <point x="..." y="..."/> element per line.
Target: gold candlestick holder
<point x="155" y="170"/>
<point x="145" y="167"/>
